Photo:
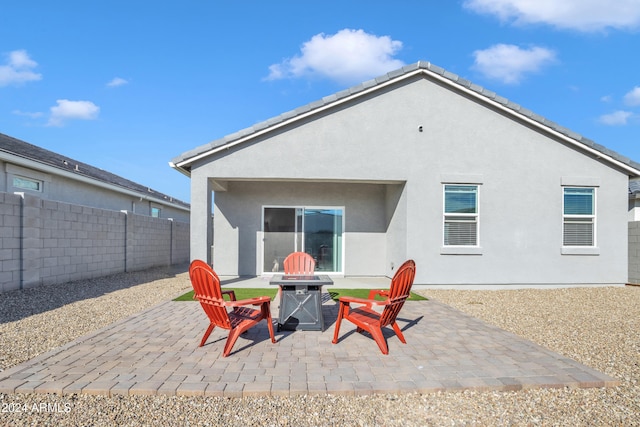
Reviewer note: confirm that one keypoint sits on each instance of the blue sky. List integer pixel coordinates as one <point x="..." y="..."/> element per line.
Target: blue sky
<point x="128" y="85"/>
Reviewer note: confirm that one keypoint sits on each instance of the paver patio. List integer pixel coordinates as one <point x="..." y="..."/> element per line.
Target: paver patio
<point x="156" y="352"/>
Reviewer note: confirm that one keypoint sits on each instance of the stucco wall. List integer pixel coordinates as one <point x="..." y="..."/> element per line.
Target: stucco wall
<point x="424" y="135"/>
<point x="46" y="242"/>
<point x="238" y="228"/>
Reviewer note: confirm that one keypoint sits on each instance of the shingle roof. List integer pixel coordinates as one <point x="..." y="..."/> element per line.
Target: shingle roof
<point x="411" y="69"/>
<point x="31" y="152"/>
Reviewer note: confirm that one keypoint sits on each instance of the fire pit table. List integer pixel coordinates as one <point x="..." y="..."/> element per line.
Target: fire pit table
<point x="301" y="301"/>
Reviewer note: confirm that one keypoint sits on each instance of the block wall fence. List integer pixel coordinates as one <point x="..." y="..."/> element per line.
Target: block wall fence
<point x="634" y="252"/>
<point x="46" y="242"/>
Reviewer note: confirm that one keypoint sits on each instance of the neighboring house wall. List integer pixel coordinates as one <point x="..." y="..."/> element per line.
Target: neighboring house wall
<point x="386" y="157"/>
<point x="46" y="242"/>
<point x="85" y="193"/>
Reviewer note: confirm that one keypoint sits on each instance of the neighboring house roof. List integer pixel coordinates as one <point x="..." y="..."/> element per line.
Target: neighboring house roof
<point x="183" y="162"/>
<point x="23" y="153"/>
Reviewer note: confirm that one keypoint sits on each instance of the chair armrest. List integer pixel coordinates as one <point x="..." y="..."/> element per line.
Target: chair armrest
<point x="248" y="301"/>
<point x="231" y="293"/>
<point x="375" y="292"/>
<point x="365" y="301"/>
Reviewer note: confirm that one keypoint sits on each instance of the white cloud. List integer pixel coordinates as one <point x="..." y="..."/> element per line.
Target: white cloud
<point x="509" y="63"/>
<point x="580" y="15"/>
<point x="117" y="81"/>
<point x="633" y="97"/>
<point x="349" y="56"/>
<point x="72" y="110"/>
<point x="27" y="114"/>
<point x="18" y="69"/>
<point x="617" y="118"/>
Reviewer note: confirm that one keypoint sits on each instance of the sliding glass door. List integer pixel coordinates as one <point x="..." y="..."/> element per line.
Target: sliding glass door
<point x="317" y="231"/>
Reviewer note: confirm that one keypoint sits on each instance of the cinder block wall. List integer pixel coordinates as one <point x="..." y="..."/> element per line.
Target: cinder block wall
<point x="148" y="242"/>
<point x="634" y="252"/>
<point x="10" y="241"/>
<point x="70" y="242"/>
<point x="46" y="242"/>
<point x="181" y="247"/>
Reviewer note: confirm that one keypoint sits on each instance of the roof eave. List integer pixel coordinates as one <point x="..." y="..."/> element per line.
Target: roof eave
<point x="182" y="170"/>
<point x="425" y="68"/>
<point x="32" y="164"/>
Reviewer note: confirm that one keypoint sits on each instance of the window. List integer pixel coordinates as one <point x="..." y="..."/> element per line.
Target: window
<point x="155" y="212"/>
<point x="579" y="217"/>
<point x="314" y="230"/>
<point x="27" y="184"/>
<point x="460" y="215"/>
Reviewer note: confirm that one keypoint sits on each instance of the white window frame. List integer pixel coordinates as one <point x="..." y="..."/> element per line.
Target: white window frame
<point x="582" y="218"/>
<point x="474" y="217"/>
<point x="260" y="259"/>
<point x="39" y="184"/>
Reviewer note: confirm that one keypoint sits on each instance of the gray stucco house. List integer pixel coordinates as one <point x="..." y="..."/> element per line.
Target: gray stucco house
<point x="34" y="170"/>
<point x="418" y="163"/>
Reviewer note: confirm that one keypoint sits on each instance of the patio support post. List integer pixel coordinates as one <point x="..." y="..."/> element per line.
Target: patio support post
<point x="201" y="217"/>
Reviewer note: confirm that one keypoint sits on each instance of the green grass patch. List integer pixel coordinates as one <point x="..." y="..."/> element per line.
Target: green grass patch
<point x="364" y="293"/>
<point x="241" y="293"/>
<point x="335" y="294"/>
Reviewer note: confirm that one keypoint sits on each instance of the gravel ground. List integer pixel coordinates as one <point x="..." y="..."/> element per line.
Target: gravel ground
<point x="595" y="326"/>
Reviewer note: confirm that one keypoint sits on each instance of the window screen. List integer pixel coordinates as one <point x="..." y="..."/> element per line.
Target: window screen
<point x="460" y="215"/>
<point x="578" y="216"/>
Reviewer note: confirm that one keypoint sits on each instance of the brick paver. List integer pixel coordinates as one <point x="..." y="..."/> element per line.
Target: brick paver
<point x="156" y="352"/>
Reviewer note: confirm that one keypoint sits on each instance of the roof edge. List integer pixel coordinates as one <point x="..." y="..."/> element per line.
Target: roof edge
<point x="33" y="163"/>
<point x="183" y="162"/>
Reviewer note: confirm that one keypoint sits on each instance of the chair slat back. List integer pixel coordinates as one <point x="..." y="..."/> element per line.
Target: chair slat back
<point x="399" y="291"/>
<point x="299" y="263"/>
<point x="207" y="290"/>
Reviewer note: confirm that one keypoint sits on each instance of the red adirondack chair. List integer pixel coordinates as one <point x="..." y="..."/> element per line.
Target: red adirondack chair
<point x="229" y="292"/>
<point x="207" y="290"/>
<point x="367" y="319"/>
<point x="299" y="263"/>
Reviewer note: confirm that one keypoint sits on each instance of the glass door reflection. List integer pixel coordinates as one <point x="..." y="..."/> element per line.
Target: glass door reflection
<point x="317" y="231"/>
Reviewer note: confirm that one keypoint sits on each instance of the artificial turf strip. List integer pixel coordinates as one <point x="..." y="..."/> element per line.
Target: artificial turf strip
<point x="241" y="293"/>
<point x="335" y="294"/>
<point x="245" y="293"/>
